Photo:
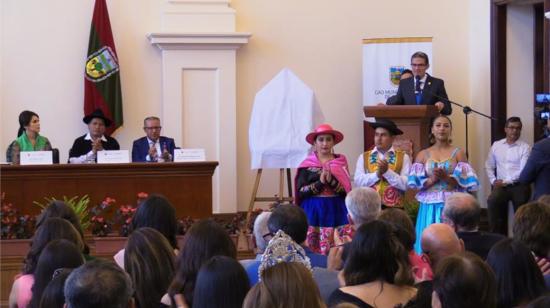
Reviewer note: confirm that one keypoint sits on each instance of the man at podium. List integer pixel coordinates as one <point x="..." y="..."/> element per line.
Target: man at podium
<point x="421" y="89"/>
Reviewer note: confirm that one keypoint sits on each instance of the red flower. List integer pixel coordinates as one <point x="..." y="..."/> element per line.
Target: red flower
<point x="142" y="195"/>
<point x="391" y="196"/>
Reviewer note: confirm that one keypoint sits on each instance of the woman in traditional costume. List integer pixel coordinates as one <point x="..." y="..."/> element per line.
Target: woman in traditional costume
<point x="438" y="172"/>
<point x="322" y="182"/>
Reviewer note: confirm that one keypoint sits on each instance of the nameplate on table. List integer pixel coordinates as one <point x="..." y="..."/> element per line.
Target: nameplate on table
<point x="36" y="158"/>
<point x="188" y="155"/>
<point x="113" y="157"/>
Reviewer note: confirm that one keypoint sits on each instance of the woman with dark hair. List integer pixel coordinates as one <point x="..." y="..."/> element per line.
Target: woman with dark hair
<point x="59" y="209"/>
<point x="54" y="295"/>
<point x="204" y="240"/>
<point x="322" y="182"/>
<point x="149" y="260"/>
<point x="404" y="230"/>
<point x="158" y="213"/>
<point x="287" y="284"/>
<point x="51" y="229"/>
<point x="28" y="137"/>
<point x="519" y="280"/>
<point x="439" y="171"/>
<point x="57" y="254"/>
<point x="377" y="272"/>
<point x="221" y="282"/>
<point x="463" y="280"/>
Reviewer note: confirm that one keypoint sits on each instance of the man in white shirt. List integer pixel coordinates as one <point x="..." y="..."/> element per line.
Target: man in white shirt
<point x="384" y="168"/>
<point x="504" y="163"/>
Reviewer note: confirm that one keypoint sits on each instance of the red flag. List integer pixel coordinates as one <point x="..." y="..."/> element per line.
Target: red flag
<point x="102" y="75"/>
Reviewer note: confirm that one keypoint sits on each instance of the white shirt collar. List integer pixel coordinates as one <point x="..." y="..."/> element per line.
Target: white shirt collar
<point x="388" y="151"/>
<point x="89" y="137"/>
<point x="153" y="142"/>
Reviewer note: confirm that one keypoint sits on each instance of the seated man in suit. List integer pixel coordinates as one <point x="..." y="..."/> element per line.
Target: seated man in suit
<point x="84" y="148"/>
<point x="462" y="213"/>
<point x="153" y="147"/>
<point x="423" y="89"/>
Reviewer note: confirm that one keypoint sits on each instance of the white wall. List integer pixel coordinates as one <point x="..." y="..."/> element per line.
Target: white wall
<point x="42" y="56"/>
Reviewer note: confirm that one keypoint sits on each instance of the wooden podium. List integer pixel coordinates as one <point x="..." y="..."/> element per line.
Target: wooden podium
<point x="413" y="120"/>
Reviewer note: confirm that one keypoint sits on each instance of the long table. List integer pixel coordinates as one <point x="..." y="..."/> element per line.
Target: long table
<point x="188" y="186"/>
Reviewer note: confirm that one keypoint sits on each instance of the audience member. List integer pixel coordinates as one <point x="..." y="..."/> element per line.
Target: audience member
<point x="384" y="168"/>
<point x="404" y="230"/>
<point x="99" y="283"/>
<point x="28" y="137"/>
<point x="60" y="209"/>
<point x="149" y="260"/>
<point x="519" y="280"/>
<point x="363" y="205"/>
<point x="57" y="254"/>
<point x="377" y="272"/>
<point x="204" y="240"/>
<point x="541" y="302"/>
<point x="438" y="172"/>
<point x="153" y="147"/>
<point x="544" y="199"/>
<point x="262" y="235"/>
<point x="440" y="241"/>
<point x="285" y="284"/>
<point x="51" y="229"/>
<point x="221" y="282"/>
<point x="158" y="213"/>
<point x="322" y="182"/>
<point x="532" y="228"/>
<point x="84" y="149"/>
<point x="462" y="212"/>
<point x="53" y="295"/>
<point x="464" y="280"/>
<point x="507" y="158"/>
<point x="537" y="168"/>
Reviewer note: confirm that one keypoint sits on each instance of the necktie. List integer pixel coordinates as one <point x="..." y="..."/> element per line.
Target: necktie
<point x="418" y="92"/>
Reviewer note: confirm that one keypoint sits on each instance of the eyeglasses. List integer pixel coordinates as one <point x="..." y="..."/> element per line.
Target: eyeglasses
<point x="417" y="65"/>
<point x="153" y="128"/>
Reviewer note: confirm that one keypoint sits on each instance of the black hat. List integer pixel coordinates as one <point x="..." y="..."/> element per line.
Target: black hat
<point x="97" y="114"/>
<point x="387" y="124"/>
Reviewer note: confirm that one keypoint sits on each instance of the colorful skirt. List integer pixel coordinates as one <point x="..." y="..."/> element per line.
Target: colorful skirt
<point x="328" y="223"/>
<point x="428" y="213"/>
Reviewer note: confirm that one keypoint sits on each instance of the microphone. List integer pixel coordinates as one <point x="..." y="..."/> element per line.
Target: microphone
<point x="417" y="89"/>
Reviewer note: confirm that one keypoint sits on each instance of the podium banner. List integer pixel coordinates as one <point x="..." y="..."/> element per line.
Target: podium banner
<point x="383" y="61"/>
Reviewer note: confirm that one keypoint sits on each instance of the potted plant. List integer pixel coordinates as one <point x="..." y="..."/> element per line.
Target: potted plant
<point x="16" y="230"/>
<point x="79" y="206"/>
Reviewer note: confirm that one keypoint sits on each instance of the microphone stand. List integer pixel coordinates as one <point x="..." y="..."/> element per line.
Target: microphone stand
<point x="467" y="110"/>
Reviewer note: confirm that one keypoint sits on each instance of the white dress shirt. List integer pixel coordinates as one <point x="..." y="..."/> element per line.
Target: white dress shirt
<point x="397" y="180"/>
<point x="87" y="158"/>
<point x="159" y="151"/>
<point x="507" y="159"/>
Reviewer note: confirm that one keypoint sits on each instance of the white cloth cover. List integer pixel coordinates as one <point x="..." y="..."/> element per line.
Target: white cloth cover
<point x="284" y="112"/>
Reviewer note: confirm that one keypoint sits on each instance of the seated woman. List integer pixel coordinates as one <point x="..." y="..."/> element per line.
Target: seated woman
<point x="204" y="240"/>
<point x="377" y="272"/>
<point x="518" y="278"/>
<point x="158" y="213"/>
<point x="322" y="182"/>
<point x="51" y="229"/>
<point x="464" y="280"/>
<point x="57" y="254"/>
<point x="28" y="137"/>
<point x="438" y="172"/>
<point x="221" y="282"/>
<point x="150" y="261"/>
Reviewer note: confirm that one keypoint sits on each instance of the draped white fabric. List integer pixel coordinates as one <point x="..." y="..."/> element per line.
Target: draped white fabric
<point x="285" y="111"/>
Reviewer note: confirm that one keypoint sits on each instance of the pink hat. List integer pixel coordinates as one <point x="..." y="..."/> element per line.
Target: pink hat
<point x="324" y="129"/>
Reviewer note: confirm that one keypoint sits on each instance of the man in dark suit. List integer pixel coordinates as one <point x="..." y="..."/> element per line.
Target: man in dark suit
<point x="462" y="213"/>
<point x="153" y="147"/>
<point x="537" y="168"/>
<point x="421" y="89"/>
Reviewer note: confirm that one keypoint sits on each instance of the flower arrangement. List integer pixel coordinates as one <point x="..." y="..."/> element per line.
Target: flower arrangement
<point x="125" y="213"/>
<point x="100" y="225"/>
<point x="15" y="226"/>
